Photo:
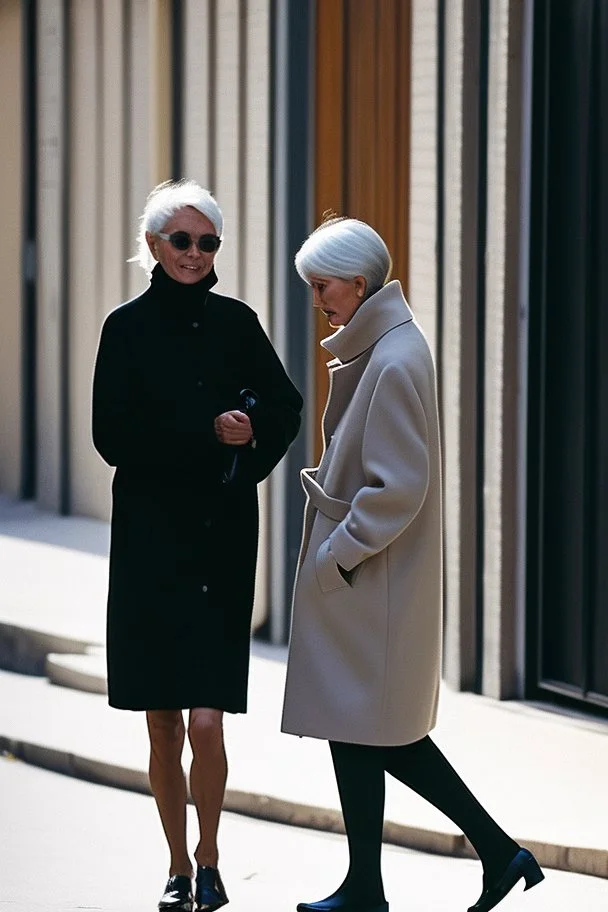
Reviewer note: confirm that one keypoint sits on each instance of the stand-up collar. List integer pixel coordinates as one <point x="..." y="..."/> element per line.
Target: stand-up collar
<point x="380" y="313"/>
<point x="175" y="294"/>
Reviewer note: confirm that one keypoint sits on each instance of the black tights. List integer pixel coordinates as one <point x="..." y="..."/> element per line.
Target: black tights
<point x="421" y="766"/>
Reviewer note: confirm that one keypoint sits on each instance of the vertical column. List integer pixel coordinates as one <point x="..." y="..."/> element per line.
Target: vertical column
<point x="11" y="176"/>
<point x="149" y="126"/>
<point x="52" y="154"/>
<point x="293" y="335"/>
<point x="160" y="78"/>
<point x="255" y="221"/>
<point x="229" y="140"/>
<point x="91" y="492"/>
<point x="423" y="167"/>
<point x="255" y="235"/>
<point x="197" y="121"/>
<point x="459" y="339"/>
<point x="502" y="347"/>
<point x="84" y="273"/>
<point x="114" y="247"/>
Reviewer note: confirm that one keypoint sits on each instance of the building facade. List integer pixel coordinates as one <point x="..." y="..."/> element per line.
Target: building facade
<point x="508" y="218"/>
<point x="470" y="133"/>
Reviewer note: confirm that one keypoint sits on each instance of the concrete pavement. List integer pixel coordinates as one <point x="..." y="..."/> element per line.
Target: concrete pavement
<point x="541" y="773"/>
<point x="67" y="845"/>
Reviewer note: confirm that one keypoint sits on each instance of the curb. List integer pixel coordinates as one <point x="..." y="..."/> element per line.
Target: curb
<point x="77" y="672"/>
<point x="572" y="859"/>
<point x="24" y="650"/>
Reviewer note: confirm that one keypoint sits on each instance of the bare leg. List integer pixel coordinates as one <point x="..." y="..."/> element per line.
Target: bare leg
<point x="168" y="783"/>
<point x="207" y="779"/>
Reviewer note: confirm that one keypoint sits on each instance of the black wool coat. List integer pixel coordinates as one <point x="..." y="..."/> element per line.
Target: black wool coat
<point x="184" y="543"/>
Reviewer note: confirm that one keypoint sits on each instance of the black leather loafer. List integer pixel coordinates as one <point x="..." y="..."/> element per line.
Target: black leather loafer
<point x="338" y="903"/>
<point x="210" y="893"/>
<point x="178" y="895"/>
<point x="523" y="865"/>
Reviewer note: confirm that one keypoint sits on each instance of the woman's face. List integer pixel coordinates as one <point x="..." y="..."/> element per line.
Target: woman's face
<point x="186" y="266"/>
<point x="339" y="299"/>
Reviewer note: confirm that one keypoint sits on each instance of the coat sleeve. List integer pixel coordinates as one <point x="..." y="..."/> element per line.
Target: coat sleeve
<point x="275" y="420"/>
<point x="127" y="432"/>
<point x="395" y="454"/>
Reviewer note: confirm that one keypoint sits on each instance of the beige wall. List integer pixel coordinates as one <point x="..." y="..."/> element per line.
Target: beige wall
<point x="109" y="141"/>
<point x="10" y="248"/>
<point x="104" y="142"/>
<point x="119" y="151"/>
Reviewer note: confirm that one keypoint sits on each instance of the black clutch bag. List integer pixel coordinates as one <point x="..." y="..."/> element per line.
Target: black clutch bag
<point x="248" y="399"/>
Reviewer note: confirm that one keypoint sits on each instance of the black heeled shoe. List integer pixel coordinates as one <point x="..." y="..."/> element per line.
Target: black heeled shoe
<point x="178" y="895"/>
<point x="337" y="902"/>
<point x="523" y="865"/>
<point x="210" y="893"/>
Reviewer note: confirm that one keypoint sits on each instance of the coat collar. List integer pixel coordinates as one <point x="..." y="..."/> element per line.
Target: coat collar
<point x="380" y="313"/>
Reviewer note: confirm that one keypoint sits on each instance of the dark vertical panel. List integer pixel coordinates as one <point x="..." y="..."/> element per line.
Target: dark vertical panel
<point x="30" y="188"/>
<point x="537" y="349"/>
<point x="291" y="191"/>
<point x="330" y="130"/>
<point x="599" y="626"/>
<point x="568" y="417"/>
<point x="482" y="201"/>
<point x="439" y="126"/>
<point x="566" y="332"/>
<point x="64" y="314"/>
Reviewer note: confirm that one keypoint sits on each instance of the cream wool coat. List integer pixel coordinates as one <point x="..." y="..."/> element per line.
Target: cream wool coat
<point x="364" y="655"/>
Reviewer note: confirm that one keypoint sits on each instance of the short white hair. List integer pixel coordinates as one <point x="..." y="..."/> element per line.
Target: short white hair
<point x="344" y="248"/>
<point x="163" y="202"/>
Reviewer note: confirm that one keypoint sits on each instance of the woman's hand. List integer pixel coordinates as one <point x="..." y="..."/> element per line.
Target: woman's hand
<point x="233" y="428"/>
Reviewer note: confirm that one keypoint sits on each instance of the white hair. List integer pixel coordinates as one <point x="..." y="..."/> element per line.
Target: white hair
<point x="163" y="202"/>
<point x="344" y="248"/>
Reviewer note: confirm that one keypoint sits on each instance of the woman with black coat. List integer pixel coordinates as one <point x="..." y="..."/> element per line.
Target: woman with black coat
<point x="193" y="407"/>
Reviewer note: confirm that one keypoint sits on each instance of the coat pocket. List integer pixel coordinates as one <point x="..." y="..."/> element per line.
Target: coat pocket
<point x="328" y="574"/>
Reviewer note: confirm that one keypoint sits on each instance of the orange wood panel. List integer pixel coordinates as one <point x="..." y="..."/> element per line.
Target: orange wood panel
<point x="362" y="130"/>
<point x="386" y="124"/>
<point x="360" y="157"/>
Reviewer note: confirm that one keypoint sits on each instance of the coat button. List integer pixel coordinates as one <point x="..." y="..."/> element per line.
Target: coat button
<point x="204" y="588"/>
<point x="195" y="325"/>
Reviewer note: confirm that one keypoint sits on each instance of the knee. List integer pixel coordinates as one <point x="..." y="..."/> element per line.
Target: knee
<point x="205" y="731"/>
<point x="166" y="731"/>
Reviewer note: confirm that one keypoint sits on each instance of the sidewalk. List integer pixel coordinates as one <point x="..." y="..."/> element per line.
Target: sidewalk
<point x="541" y="773"/>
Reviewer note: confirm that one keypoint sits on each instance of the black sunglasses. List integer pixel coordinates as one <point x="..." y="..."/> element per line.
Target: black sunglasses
<point x="181" y="240"/>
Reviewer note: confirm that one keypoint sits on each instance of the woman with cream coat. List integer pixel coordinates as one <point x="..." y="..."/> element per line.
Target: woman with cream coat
<point x="365" y="648"/>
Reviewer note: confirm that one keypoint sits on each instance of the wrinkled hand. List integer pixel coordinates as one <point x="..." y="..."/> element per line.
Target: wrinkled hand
<point x="233" y="428"/>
